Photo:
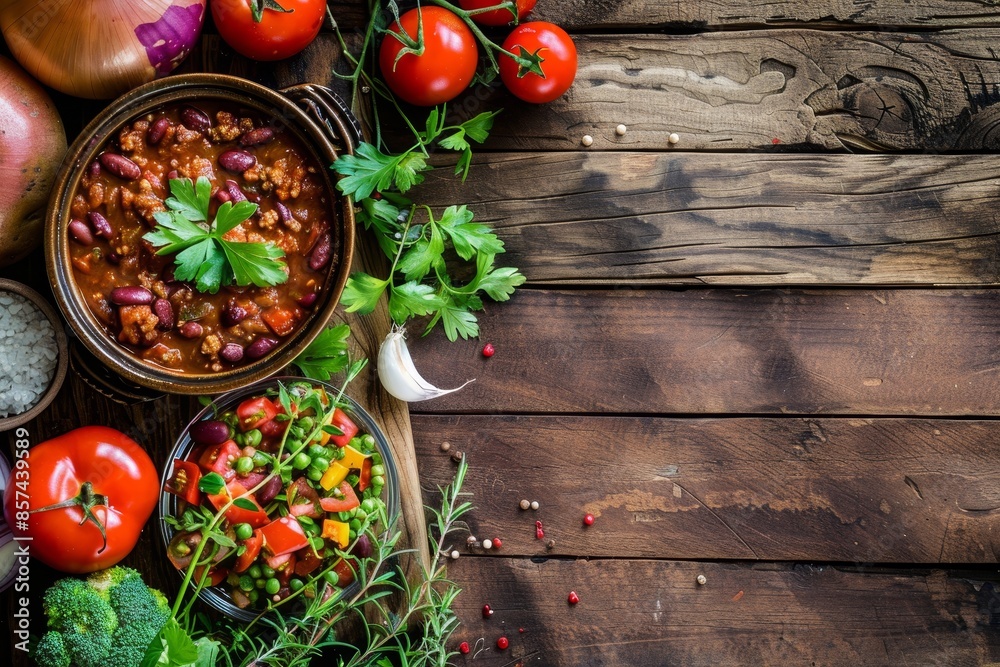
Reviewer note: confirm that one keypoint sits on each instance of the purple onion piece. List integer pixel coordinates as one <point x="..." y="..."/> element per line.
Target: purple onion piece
<point x="362" y="547"/>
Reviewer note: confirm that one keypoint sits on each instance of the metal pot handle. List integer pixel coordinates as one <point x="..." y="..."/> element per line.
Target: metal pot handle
<point x="330" y="111"/>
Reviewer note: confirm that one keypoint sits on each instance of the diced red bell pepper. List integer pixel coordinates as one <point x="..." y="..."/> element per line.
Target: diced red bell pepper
<point x="246" y="559"/>
<point x="365" y="477"/>
<point x="283" y="536"/>
<point x="303" y="499"/>
<point x="254" y="412"/>
<point x="307" y="562"/>
<point x="342" y="422"/>
<point x="183" y="481"/>
<point x="256" y="517"/>
<point x="282" y="321"/>
<point x="334" y="504"/>
<point x="220" y="459"/>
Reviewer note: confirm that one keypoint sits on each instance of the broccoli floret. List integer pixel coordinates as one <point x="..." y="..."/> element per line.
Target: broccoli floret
<point x="106" y="621"/>
<point x="50" y="651"/>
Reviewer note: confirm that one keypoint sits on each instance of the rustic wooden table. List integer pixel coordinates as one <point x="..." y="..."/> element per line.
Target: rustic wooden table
<point x="768" y="354"/>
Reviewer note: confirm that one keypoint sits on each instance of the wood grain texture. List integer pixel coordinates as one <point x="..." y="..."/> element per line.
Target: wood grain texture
<point x="858" y="352"/>
<point x="628" y="218"/>
<point x="850" y="490"/>
<point x="635" y="612"/>
<point x="729" y="91"/>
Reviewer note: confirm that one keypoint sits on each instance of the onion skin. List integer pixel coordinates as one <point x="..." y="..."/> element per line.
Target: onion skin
<point x="32" y="147"/>
<point x="100" y="48"/>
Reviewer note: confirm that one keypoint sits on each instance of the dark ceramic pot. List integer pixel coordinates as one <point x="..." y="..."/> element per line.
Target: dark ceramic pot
<point x="313" y="114"/>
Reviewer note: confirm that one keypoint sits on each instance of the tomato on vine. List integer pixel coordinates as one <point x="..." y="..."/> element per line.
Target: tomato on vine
<point x="558" y="62"/>
<point x="428" y="56"/>
<point x="268" y="29"/>
<point x="497" y="16"/>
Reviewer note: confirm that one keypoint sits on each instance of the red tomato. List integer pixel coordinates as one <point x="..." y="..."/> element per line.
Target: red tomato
<point x="365" y="478"/>
<point x="497" y="16"/>
<point x="348" y="502"/>
<point x="246" y="559"/>
<point x="278" y="34"/>
<point x="220" y="459"/>
<point x="558" y="54"/>
<point x="345" y="572"/>
<point x="443" y="70"/>
<point x="91" y="480"/>
<point x="343" y="423"/>
<point x="283" y="536"/>
<point x="256" y="517"/>
<point x="183" y="481"/>
<point x="254" y="412"/>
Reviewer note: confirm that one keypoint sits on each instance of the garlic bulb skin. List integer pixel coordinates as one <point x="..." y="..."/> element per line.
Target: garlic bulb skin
<point x="398" y="374"/>
<point x="100" y="48"/>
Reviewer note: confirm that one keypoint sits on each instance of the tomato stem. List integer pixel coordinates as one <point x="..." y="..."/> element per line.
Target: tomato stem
<point x="86" y="500"/>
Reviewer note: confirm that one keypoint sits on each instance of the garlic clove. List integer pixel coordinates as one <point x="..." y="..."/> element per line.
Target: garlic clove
<point x="398" y="374"/>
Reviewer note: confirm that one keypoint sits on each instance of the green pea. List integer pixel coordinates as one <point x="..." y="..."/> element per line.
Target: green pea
<point x="332" y="578"/>
<point x="253" y="437"/>
<point x="266" y="571"/>
<point x="240" y="439"/>
<point x="344" y="516"/>
<point x="259" y="583"/>
<point x="378" y="480"/>
<point x="260" y="459"/>
<point x="253" y="595"/>
<point x="311" y="529"/>
<point x="244" y="465"/>
<point x="246" y="583"/>
<point x="377" y="459"/>
<point x="316" y="451"/>
<point x="337" y="453"/>
<point x="296" y="584"/>
<point x="355" y="524"/>
<point x="272" y="586"/>
<point x="320" y="463"/>
<point x="369" y="440"/>
<point x="368" y="505"/>
<point x="355" y="442"/>
<point x="307" y="423"/>
<point x="315" y="474"/>
<point x="378" y="471"/>
<point x="361" y="515"/>
<point x="254" y="571"/>
<point x="301" y="461"/>
<point x="296" y="432"/>
<point x="352" y="480"/>
<point x="353" y="535"/>
<point x="233" y="579"/>
<point x="244" y="531"/>
<point x="317" y="542"/>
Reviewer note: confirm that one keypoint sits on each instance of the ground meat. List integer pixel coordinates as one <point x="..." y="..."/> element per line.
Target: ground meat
<point x="211" y="345"/>
<point x="268" y="219"/>
<point x="146" y="203"/>
<point x="79" y="207"/>
<point x="163" y="355"/>
<point x="287" y="180"/>
<point x="138" y="325"/>
<point x="133" y="138"/>
<point x="186" y="136"/>
<point x="95" y="194"/>
<point x="198" y="166"/>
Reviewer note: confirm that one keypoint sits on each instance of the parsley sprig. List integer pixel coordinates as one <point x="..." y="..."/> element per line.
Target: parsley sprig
<point x="201" y="252"/>
<point x="418" y="241"/>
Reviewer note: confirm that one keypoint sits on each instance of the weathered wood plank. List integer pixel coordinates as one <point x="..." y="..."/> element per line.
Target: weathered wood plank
<point x="725" y="219"/>
<point x="851" y="490"/>
<point x="765" y="89"/>
<point x="644" y="613"/>
<point x="891" y="352"/>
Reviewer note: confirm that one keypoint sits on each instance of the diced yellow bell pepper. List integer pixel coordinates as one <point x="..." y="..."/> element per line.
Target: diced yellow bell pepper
<point x="334" y="475"/>
<point x="338" y="531"/>
<point x="352" y="458"/>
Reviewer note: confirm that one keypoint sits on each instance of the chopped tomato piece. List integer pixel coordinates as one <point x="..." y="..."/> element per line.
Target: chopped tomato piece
<point x="348" y="501"/>
<point x="281" y="321"/>
<point x="284" y="573"/>
<point x="254" y="412"/>
<point x="249" y="555"/>
<point x="307" y="562"/>
<point x="283" y="536"/>
<point x="220" y="459"/>
<point x="183" y="481"/>
<point x="345" y="571"/>
<point x="303" y="499"/>
<point x="365" y="477"/>
<point x="343" y="423"/>
<point x="273" y="428"/>
<point x="256" y="517"/>
<point x="216" y="575"/>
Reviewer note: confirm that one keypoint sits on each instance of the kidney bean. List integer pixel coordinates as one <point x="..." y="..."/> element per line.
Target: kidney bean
<point x="165" y="312"/>
<point x="283" y="212"/>
<point x="269" y="491"/>
<point x="100" y="225"/>
<point x="209" y="432"/>
<point x="120" y="166"/>
<point x="157" y="130"/>
<point x="260" y="347"/>
<point x="190" y="330"/>
<point x="80" y="232"/>
<point x="94" y="169"/>
<point x="133" y="295"/>
<point x="195" y="119"/>
<point x="222" y="196"/>
<point x="233" y="313"/>
<point x="237" y="161"/>
<point x="231" y="352"/>
<point x="257" y="136"/>
<point x="321" y="253"/>
<point x="235" y="194"/>
<point x="307" y="300"/>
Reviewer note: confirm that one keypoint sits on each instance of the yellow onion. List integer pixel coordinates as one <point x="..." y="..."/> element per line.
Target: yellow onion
<point x="32" y="147"/>
<point x="100" y="48"/>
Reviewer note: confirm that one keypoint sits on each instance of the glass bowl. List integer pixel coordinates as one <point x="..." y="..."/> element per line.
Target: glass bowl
<point x="216" y="596"/>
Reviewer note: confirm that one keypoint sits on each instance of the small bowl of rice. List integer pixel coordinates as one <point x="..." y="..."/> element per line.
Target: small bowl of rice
<point x="33" y="354"/>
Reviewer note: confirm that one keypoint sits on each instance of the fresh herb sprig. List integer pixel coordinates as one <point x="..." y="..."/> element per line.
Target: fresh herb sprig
<point x="417" y="241"/>
<point x="202" y="254"/>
